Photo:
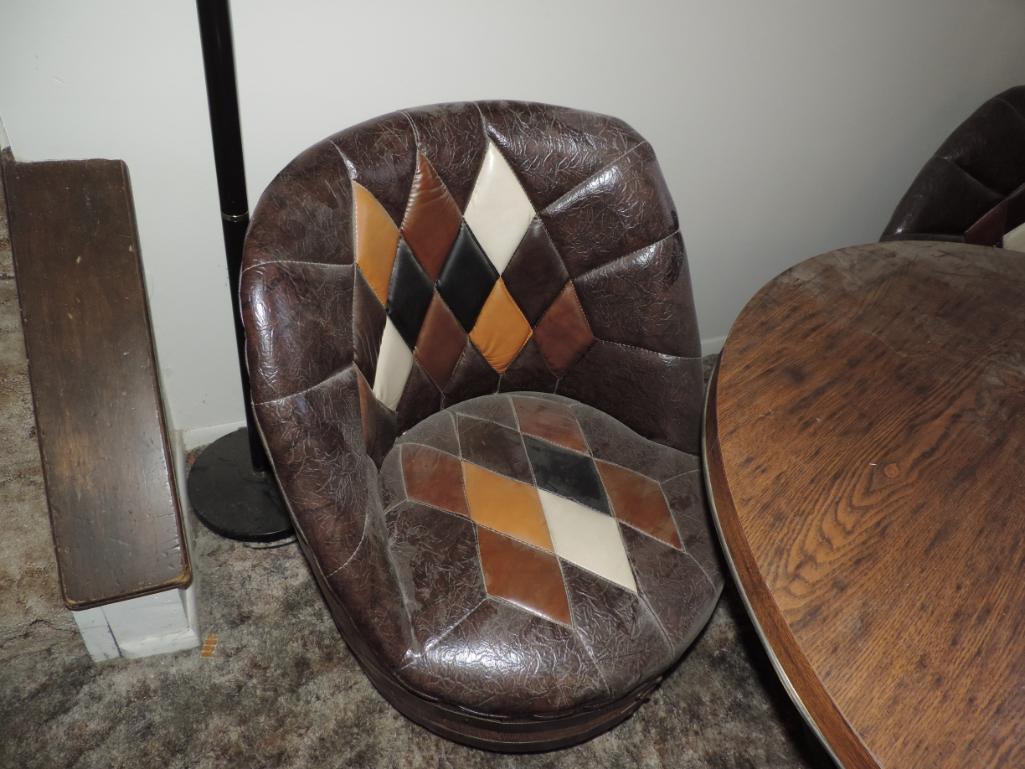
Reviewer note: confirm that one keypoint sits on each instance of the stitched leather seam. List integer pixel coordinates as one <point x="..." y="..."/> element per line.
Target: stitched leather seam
<point x="484" y="133"/>
<point x="587" y="273"/>
<point x="444" y="395"/>
<point x="658" y="620"/>
<point x="649" y="350"/>
<point x="413" y="128"/>
<point x="584" y="182"/>
<point x="332" y="376"/>
<point x="562" y="261"/>
<point x="332" y="265"/>
<point x="428" y="446"/>
<point x="435" y="508"/>
<point x="969" y="174"/>
<point x="417" y="656"/>
<point x="402" y="472"/>
<point x="532" y="612"/>
<point x="679" y="475"/>
<point x="580" y="639"/>
<point x="355" y="550"/>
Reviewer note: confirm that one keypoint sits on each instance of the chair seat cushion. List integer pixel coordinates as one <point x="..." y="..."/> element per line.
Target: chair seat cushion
<point x="550" y="558"/>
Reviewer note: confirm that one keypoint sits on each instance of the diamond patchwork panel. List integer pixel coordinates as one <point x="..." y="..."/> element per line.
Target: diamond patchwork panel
<point x="494" y="447"/>
<point x="563" y="333"/>
<point x="544" y="509"/>
<point x="443" y="266"/>
<point x="1015" y="239"/>
<point x="394" y="363"/>
<point x="535" y="275"/>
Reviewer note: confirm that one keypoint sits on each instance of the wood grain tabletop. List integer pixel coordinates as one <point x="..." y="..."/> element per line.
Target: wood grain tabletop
<point x="865" y="452"/>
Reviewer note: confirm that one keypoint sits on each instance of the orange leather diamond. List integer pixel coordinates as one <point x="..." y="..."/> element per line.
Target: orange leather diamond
<point x="501" y="329"/>
<point x="506" y="505"/>
<point x="377" y="239"/>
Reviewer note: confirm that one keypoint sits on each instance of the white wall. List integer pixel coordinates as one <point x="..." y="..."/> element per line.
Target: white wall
<point x="784" y="129"/>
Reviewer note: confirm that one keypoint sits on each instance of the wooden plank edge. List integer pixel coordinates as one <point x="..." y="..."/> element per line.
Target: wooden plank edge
<point x="798" y="677"/>
<point x="184" y="577"/>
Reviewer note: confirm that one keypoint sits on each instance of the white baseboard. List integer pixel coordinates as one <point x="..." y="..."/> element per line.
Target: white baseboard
<point x="712" y="346"/>
<point x="194" y="437"/>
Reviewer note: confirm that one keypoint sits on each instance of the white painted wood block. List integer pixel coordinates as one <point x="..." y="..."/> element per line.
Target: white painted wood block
<point x="138" y="627"/>
<point x="99" y="641"/>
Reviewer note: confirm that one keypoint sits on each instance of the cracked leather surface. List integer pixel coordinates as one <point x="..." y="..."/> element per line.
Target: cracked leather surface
<point x="314" y="328"/>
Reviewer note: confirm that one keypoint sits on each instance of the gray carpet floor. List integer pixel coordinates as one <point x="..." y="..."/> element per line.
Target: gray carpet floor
<point x="281" y="689"/>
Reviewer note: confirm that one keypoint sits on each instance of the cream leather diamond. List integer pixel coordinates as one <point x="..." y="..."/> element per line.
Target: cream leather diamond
<point x="499" y="211"/>
<point x="587" y="538"/>
<point x="394" y="363"/>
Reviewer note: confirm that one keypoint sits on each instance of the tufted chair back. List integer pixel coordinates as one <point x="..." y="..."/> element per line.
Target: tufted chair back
<point x="446" y="252"/>
<point x="437" y="254"/>
<point x="972" y="190"/>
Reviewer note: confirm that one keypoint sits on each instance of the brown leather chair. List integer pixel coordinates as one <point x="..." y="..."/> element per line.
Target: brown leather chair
<point x="475" y="365"/>
<point x="973" y="189"/>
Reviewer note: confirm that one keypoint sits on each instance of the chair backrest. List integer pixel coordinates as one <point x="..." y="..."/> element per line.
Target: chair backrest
<point x="455" y="250"/>
<point x="972" y="190"/>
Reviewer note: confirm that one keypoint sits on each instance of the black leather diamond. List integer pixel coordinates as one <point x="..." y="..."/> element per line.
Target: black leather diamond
<point x="566" y="473"/>
<point x="467" y="278"/>
<point x="409" y="295"/>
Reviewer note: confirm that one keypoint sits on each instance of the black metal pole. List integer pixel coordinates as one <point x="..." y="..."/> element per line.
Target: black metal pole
<point x="229" y="486"/>
<point x="222" y="97"/>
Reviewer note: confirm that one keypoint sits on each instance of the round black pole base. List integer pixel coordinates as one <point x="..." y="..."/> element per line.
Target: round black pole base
<point x="233" y="500"/>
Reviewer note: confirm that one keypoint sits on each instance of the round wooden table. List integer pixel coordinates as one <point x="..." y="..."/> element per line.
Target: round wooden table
<point x="865" y="454"/>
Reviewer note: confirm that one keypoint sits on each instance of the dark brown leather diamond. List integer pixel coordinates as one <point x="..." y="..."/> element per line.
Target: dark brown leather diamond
<point x="549" y="420"/>
<point x="563" y="334"/>
<point x="440" y="343"/>
<point x="432" y="219"/>
<point x="433" y="477"/>
<point x="535" y="275"/>
<point x="522" y="575"/>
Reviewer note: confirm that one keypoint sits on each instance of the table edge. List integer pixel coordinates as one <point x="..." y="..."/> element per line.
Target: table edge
<point x="796" y="674"/>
